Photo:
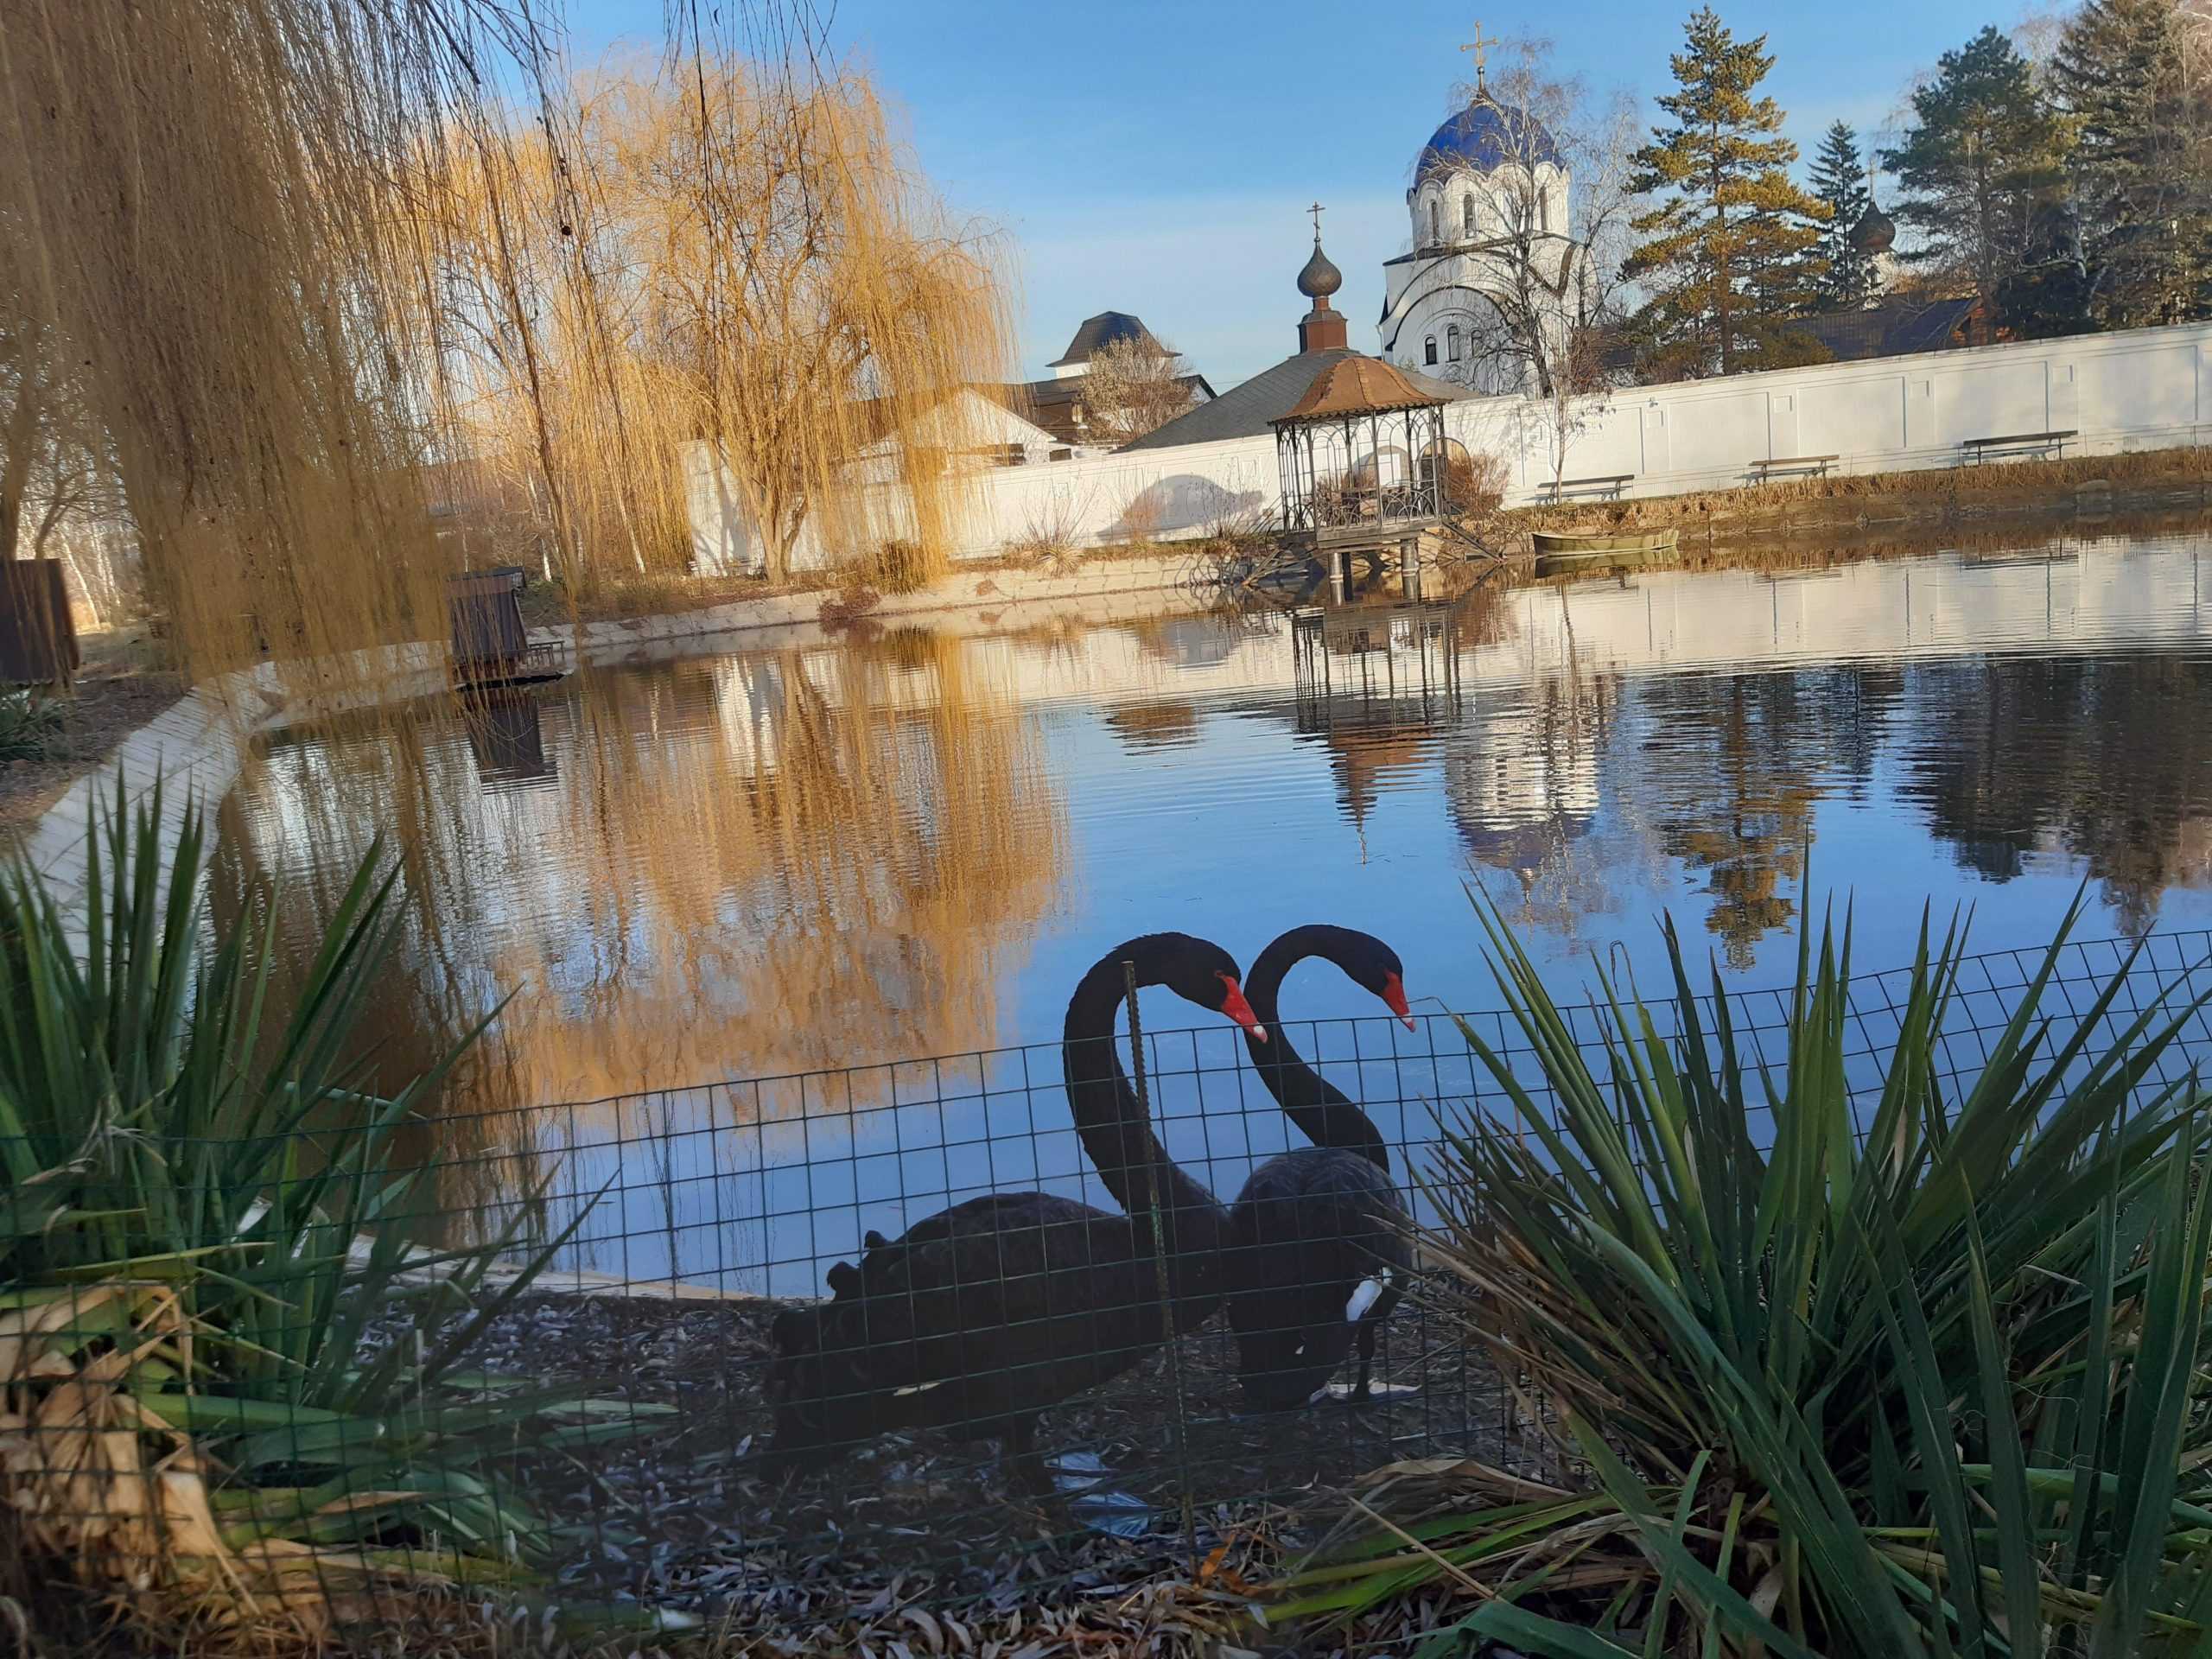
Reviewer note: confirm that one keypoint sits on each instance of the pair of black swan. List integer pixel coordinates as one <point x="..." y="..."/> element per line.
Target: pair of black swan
<point x="978" y="1317"/>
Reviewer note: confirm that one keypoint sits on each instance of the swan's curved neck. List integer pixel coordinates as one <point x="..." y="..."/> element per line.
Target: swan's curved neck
<point x="1129" y="1156"/>
<point x="1324" y="1113"/>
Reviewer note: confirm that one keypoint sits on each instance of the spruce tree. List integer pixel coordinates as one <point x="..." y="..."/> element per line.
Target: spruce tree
<point x="2142" y="165"/>
<point x="1981" y="166"/>
<point x="1840" y="180"/>
<point x="1729" y="256"/>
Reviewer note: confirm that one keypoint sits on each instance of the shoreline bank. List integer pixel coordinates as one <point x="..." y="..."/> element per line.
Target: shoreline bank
<point x="2017" y="494"/>
<point x="197" y="747"/>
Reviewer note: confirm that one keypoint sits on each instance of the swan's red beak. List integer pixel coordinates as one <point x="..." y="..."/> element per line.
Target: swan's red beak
<point x="1393" y="995"/>
<point x="1234" y="1005"/>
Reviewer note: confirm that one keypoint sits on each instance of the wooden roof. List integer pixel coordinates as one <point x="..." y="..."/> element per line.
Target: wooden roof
<point x="1358" y="385"/>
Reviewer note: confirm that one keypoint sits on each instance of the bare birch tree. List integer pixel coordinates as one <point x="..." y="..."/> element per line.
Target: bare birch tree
<point x="1555" y="292"/>
<point x="1134" y="386"/>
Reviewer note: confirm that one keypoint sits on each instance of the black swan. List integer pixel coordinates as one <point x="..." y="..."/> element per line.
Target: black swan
<point x="1320" y="1253"/>
<point x="982" y="1315"/>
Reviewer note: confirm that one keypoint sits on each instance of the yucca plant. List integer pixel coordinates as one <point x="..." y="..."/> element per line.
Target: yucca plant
<point x="1913" y="1371"/>
<point x="30" y="720"/>
<point x="201" y="1216"/>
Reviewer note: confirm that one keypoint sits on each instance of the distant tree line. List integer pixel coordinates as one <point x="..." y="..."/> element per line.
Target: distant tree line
<point x="2068" y="193"/>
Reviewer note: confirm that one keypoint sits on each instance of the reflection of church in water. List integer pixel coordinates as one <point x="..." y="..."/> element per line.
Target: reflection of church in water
<point x="1524" y="782"/>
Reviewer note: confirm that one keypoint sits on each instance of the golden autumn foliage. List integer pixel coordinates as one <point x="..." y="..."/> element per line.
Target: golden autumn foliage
<point x="315" y="284"/>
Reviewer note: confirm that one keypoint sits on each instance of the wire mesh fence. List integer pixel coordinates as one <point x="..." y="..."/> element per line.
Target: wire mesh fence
<point x="755" y="1344"/>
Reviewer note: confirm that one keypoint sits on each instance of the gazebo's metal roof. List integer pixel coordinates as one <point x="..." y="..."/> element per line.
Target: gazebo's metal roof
<point x="1248" y="411"/>
<point x="1358" y="385"/>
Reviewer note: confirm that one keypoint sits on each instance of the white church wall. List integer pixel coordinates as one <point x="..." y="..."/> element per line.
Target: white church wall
<point x="2140" y="389"/>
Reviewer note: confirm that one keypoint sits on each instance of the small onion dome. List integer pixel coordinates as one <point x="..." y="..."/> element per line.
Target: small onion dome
<point x="1874" y="233"/>
<point x="1320" y="278"/>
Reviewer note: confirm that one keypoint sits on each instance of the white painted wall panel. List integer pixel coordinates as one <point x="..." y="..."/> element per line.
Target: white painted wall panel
<point x="1863" y="415"/>
<point x="1720" y="431"/>
<point x="2149" y="388"/>
<point x="1991" y="399"/>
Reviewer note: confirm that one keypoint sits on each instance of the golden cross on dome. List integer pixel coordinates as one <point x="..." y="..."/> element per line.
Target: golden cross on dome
<point x="1480" y="48"/>
<point x="1316" y="210"/>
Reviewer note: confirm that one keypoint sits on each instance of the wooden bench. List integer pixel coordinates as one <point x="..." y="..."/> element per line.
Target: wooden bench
<point x="2015" y="443"/>
<point x="1610" y="486"/>
<point x="1813" y="466"/>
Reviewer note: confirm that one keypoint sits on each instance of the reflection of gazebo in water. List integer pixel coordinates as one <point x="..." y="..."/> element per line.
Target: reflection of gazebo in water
<point x="1378" y="665"/>
<point x="1378" y="684"/>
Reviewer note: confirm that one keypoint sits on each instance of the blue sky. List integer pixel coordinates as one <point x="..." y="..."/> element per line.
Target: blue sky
<point x="1158" y="157"/>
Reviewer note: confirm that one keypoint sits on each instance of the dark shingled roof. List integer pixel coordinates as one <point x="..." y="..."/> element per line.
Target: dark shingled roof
<point x="1107" y="328"/>
<point x="1897" y="329"/>
<point x="1250" y="410"/>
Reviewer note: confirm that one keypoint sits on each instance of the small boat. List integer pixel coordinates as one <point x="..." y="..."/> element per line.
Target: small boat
<point x="1632" y="541"/>
<point x="1560" y="553"/>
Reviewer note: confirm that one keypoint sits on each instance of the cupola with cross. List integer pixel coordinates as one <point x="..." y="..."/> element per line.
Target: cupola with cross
<point x="1490" y="200"/>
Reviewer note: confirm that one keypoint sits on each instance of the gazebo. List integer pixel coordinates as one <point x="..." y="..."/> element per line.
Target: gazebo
<point x="1361" y="449"/>
<point x="1360" y="455"/>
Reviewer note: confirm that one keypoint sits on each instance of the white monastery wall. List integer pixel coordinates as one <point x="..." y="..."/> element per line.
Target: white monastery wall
<point x="2144" y="389"/>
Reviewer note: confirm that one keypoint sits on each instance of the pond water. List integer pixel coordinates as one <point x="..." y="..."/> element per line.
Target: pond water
<point x="750" y="861"/>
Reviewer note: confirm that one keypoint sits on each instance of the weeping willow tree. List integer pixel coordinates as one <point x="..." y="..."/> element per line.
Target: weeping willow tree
<point x="199" y="195"/>
<point x="306" y="269"/>
<point x="730" y="256"/>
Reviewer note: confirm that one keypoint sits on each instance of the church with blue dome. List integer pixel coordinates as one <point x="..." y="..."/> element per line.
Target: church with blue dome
<point x="1489" y="213"/>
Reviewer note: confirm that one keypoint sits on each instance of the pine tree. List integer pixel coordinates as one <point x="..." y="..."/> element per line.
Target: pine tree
<point x="1728" y="258"/>
<point x="1981" y="166"/>
<point x="1840" y="180"/>
<point x="2142" y="168"/>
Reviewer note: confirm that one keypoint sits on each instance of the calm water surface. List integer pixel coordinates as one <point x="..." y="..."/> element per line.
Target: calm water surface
<point x="743" y="862"/>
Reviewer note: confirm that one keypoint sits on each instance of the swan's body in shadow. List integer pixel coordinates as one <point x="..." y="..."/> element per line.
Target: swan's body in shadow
<point x="1321" y="1256"/>
<point x="980" y="1316"/>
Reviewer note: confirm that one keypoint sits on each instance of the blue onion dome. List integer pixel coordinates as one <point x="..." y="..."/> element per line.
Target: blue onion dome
<point x="1485" y="136"/>
<point x="1320" y="278"/>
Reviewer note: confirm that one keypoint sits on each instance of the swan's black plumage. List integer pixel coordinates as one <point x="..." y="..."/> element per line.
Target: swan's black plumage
<point x="979" y="1316"/>
<point x="1314" y="1225"/>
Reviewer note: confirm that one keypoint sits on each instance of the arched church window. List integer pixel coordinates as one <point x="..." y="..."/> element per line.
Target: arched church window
<point x="1467" y="214"/>
<point x="1543" y="210"/>
<point x="1452" y="342"/>
<point x="1435" y="227"/>
<point x="1428" y="350"/>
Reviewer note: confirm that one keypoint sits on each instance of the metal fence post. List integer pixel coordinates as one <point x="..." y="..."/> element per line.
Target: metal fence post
<point x="1160" y="1267"/>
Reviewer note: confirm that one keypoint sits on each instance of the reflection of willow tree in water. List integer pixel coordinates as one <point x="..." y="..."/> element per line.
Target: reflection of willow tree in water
<point x="851" y="893"/>
<point x="2103" y="758"/>
<point x="761" y="864"/>
<point x="1735" y="765"/>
